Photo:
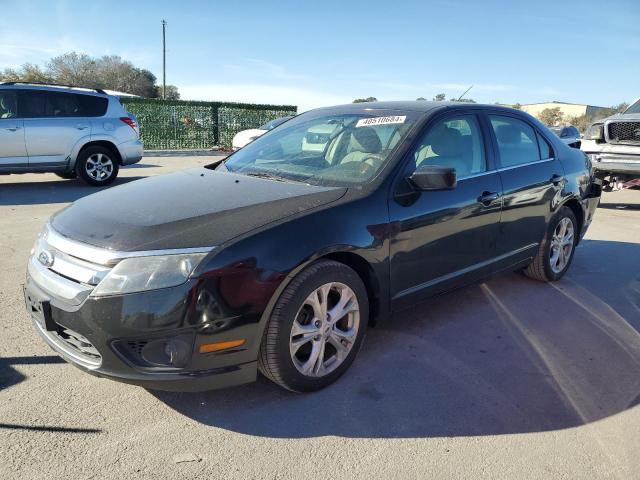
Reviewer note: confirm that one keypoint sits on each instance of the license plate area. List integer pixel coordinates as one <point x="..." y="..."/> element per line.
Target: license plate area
<point x="40" y="310"/>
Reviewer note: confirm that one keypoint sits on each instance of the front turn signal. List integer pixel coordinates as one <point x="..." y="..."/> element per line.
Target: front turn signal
<point x="218" y="346"/>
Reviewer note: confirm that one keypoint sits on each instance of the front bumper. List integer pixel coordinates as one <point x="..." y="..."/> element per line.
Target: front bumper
<point x="107" y="337"/>
<point x="131" y="152"/>
<point x="613" y="159"/>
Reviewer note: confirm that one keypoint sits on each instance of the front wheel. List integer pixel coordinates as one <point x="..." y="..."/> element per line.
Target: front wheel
<point x="316" y="328"/>
<point x="557" y="248"/>
<point x="97" y="166"/>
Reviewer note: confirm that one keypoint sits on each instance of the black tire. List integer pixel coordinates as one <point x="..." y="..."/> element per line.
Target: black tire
<point x="275" y="359"/>
<point x="85" y="159"/>
<point x="67" y="175"/>
<point x="540" y="268"/>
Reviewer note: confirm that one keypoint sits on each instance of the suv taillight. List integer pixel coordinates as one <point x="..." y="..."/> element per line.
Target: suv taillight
<point x="130" y="121"/>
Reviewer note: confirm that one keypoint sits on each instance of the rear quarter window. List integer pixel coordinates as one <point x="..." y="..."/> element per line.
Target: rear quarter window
<point x="94" y="106"/>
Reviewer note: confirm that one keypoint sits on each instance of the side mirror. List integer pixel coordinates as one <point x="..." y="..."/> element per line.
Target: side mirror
<point x="434" y="177"/>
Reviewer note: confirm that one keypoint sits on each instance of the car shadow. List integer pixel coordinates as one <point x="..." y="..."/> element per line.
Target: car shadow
<point x="49" y="192"/>
<point x="511" y="355"/>
<point x="9" y="376"/>
<point x="620" y="206"/>
<point x="184" y="153"/>
<point x="138" y="165"/>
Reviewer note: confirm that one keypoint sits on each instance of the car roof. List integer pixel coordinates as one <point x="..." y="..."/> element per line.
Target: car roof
<point x="54" y="88"/>
<point x="423" y="106"/>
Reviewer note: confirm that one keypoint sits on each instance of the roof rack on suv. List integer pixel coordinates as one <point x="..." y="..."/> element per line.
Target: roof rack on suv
<point x="45" y="84"/>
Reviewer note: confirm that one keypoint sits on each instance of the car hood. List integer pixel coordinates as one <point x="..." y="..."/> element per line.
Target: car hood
<point x="191" y="208"/>
<point x="622" y="116"/>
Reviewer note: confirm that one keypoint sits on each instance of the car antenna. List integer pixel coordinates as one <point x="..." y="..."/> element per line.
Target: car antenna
<point x="465" y="92"/>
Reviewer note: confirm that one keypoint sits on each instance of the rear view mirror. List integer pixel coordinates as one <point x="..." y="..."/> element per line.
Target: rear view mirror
<point x="434" y="177"/>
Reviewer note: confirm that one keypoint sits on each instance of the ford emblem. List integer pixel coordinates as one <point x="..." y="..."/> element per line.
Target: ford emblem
<point x="46" y="258"/>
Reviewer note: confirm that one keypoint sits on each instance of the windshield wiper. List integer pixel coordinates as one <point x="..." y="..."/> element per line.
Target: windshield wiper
<point x="267" y="175"/>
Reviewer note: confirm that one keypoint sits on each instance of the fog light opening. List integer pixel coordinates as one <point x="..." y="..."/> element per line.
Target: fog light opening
<point x="172" y="352"/>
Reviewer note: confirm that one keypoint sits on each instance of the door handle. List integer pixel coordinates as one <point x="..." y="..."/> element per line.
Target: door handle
<point x="556" y="179"/>
<point x="487" y="198"/>
<point x="13" y="129"/>
<point x="82" y="127"/>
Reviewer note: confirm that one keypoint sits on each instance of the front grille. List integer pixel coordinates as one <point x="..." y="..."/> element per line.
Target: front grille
<point x="64" y="271"/>
<point x="624" y="132"/>
<point x="80" y="344"/>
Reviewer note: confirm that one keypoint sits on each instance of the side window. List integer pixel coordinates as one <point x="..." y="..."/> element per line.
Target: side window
<point x="517" y="142"/>
<point x="65" y="105"/>
<point x="33" y="104"/>
<point x="93" y="106"/>
<point x="453" y="142"/>
<point x="8" y="104"/>
<point x="545" y="149"/>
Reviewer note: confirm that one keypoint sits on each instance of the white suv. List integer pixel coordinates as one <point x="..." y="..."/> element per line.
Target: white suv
<point x="70" y="131"/>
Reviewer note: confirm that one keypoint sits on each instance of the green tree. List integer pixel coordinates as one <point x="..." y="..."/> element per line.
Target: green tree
<point x="364" y="100"/>
<point x="420" y="99"/>
<point x="109" y="72"/>
<point x="171" y="92"/>
<point x="551" y="116"/>
<point x="440" y="97"/>
<point x="621" y="107"/>
<point x="28" y="73"/>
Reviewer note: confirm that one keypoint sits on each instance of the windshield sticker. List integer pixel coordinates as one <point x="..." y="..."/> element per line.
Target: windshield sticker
<point x="370" y="122"/>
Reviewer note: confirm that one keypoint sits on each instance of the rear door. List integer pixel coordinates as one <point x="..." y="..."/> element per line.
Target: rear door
<point x="443" y="238"/>
<point x="54" y="123"/>
<point x="12" y="148"/>
<point x="532" y="179"/>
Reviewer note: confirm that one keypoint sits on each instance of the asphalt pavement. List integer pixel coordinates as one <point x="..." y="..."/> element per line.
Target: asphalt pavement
<point x="509" y="379"/>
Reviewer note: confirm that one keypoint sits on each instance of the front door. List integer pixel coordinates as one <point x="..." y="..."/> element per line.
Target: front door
<point x="442" y="238"/>
<point x="12" y="148"/>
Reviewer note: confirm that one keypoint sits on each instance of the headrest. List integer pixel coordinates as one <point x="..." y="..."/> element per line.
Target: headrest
<point x="508" y="134"/>
<point x="447" y="143"/>
<point x="368" y="140"/>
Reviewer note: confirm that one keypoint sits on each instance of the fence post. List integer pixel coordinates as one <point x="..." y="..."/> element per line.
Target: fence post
<point x="215" y="119"/>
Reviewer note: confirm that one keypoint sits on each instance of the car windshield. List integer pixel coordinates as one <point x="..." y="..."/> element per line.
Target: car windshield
<point x="274" y="123"/>
<point x="635" y="108"/>
<point x="331" y="150"/>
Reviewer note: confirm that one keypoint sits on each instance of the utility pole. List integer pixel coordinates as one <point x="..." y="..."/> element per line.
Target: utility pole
<point x="164" y="61"/>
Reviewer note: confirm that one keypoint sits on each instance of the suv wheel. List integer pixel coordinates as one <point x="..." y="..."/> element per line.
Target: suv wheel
<point x="557" y="248"/>
<point x="97" y="166"/>
<point x="316" y="328"/>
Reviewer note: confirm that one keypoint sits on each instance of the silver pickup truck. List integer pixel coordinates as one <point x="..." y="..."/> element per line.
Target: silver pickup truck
<point x="613" y="146"/>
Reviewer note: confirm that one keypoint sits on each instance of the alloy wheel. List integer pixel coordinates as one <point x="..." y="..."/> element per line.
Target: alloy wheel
<point x="561" y="245"/>
<point x="99" y="167"/>
<point x="325" y="329"/>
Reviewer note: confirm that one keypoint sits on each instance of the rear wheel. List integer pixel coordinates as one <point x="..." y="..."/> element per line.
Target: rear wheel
<point x="557" y="248"/>
<point x="316" y="328"/>
<point x="97" y="166"/>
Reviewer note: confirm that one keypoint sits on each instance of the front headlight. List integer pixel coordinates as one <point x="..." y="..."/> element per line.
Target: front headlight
<point x="148" y="273"/>
<point x="595" y="132"/>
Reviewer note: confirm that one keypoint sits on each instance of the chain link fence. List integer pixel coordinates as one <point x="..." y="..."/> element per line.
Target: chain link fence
<point x="179" y="124"/>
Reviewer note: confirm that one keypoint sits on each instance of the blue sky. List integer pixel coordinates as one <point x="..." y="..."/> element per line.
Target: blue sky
<point x="326" y="52"/>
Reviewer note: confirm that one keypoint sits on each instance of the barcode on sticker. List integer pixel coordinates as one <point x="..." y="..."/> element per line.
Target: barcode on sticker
<point x="370" y="122"/>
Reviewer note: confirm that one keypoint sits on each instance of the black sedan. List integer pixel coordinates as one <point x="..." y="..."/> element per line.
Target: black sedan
<point x="280" y="257"/>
